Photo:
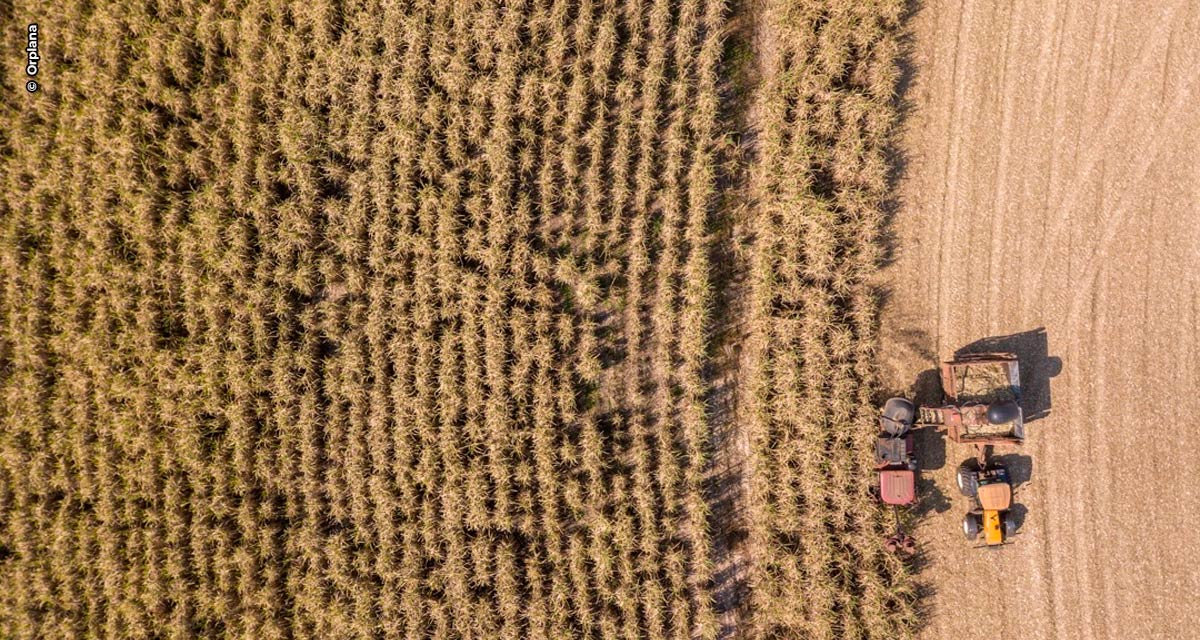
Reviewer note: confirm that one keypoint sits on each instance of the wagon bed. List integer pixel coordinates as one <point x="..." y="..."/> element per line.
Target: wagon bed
<point x="971" y="383"/>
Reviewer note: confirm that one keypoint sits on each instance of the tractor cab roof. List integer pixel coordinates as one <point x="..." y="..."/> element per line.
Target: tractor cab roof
<point x="995" y="497"/>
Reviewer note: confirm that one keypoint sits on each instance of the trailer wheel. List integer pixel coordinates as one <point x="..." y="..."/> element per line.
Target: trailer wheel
<point x="971" y="526"/>
<point x="968" y="481"/>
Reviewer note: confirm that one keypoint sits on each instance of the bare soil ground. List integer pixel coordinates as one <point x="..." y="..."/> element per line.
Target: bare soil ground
<point x="1052" y="182"/>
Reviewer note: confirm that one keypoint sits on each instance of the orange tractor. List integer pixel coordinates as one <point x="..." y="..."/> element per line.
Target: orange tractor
<point x="991" y="495"/>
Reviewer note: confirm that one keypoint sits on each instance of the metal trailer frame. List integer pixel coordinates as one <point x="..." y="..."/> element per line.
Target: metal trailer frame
<point x="965" y="418"/>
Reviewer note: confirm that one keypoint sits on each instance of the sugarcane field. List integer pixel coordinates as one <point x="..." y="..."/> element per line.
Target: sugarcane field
<point x="599" y="319"/>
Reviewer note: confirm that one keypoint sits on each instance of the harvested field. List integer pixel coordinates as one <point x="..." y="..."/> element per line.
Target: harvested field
<point x="1051" y="202"/>
<point x="375" y="319"/>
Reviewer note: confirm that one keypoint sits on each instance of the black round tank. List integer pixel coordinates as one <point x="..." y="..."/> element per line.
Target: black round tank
<point x="1002" y="412"/>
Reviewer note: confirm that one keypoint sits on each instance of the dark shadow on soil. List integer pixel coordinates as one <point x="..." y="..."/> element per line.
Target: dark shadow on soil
<point x="930" y="446"/>
<point x="1018" y="513"/>
<point x="728" y="225"/>
<point x="933" y="499"/>
<point x="1037" y="367"/>
<point x="1020" y="468"/>
<point x="926" y="390"/>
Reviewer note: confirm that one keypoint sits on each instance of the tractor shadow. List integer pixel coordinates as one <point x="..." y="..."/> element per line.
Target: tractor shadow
<point x="1020" y="468"/>
<point x="930" y="445"/>
<point x="1018" y="513"/>
<point x="1037" y="366"/>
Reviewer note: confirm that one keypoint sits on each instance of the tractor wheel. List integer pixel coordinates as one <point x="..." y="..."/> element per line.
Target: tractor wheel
<point x="1010" y="525"/>
<point x="971" y="526"/>
<point x="968" y="480"/>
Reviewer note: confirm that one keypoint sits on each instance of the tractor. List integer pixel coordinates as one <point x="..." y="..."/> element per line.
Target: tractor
<point x="897" y="466"/>
<point x="990" y="492"/>
<point x="981" y="406"/>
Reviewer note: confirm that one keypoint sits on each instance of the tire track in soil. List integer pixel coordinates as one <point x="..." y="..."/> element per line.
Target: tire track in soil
<point x="950" y="181"/>
<point x="1000" y="191"/>
<point x="1126" y="98"/>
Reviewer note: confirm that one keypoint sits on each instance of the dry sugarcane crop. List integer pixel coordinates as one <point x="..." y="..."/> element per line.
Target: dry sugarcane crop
<point x="391" y="319"/>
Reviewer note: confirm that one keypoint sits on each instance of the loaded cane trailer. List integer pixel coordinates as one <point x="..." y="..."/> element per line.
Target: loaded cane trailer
<point x="980" y="402"/>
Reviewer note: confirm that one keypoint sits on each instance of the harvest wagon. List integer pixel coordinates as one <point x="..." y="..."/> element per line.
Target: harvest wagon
<point x="981" y="402"/>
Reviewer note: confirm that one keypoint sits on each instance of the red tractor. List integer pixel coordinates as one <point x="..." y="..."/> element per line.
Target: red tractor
<point x="897" y="465"/>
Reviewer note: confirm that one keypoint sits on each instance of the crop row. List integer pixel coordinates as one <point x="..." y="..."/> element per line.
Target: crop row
<point x="815" y="534"/>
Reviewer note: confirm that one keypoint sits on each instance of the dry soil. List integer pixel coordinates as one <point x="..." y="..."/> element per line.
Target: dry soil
<point x="1051" y="197"/>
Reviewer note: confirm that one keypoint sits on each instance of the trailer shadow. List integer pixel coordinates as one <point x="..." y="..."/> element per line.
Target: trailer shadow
<point x="1037" y="366"/>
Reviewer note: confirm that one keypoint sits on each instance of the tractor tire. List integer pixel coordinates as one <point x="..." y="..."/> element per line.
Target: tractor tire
<point x="968" y="480"/>
<point x="971" y="526"/>
<point x="1010" y="525"/>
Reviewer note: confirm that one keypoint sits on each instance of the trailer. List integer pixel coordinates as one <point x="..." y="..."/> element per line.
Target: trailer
<point x="981" y="402"/>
